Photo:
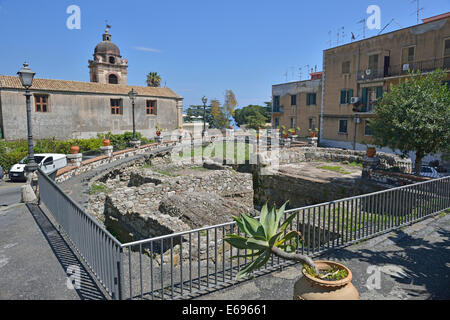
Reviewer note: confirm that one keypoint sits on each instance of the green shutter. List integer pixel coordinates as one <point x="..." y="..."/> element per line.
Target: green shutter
<point x="379" y="92"/>
<point x="308" y="102"/>
<point x="364" y="98"/>
<point x="314" y="99"/>
<point x="350" y="95"/>
<point x="343" y="96"/>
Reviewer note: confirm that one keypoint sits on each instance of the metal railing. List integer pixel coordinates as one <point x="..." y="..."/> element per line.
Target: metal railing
<point x="403" y="69"/>
<point x="96" y="246"/>
<point x="181" y="265"/>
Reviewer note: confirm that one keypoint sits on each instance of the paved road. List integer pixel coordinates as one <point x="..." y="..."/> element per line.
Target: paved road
<point x="9" y="193"/>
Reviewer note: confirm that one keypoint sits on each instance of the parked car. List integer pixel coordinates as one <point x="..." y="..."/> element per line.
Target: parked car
<point x="427" y="171"/>
<point x="48" y="162"/>
<point x="2" y="174"/>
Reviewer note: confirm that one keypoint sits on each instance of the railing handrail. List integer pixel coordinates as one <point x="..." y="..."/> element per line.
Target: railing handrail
<point x="68" y="198"/>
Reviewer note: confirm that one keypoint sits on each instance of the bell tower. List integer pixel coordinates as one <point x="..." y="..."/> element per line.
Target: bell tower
<point x="108" y="65"/>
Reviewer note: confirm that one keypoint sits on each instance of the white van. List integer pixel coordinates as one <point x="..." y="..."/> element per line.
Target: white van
<point x="48" y="162"/>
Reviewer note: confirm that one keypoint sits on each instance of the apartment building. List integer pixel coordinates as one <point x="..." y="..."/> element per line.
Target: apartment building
<point x="355" y="75"/>
<point x="297" y="104"/>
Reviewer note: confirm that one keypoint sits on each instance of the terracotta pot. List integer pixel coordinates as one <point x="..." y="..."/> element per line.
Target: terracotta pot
<point x="74" y="149"/>
<point x="371" y="152"/>
<point x="285" y="135"/>
<point x="106" y="142"/>
<point x="312" y="134"/>
<point x="310" y="288"/>
<point x="158" y="133"/>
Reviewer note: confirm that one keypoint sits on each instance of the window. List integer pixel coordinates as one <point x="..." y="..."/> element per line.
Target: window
<point x="293" y="100"/>
<point x="41" y="103"/>
<point x="151" y="107"/>
<point x="292" y="123"/>
<point x="116" y="106"/>
<point x="346" y="96"/>
<point x="277" y="122"/>
<point x="346" y="67"/>
<point x="311" y="99"/>
<point x="112" y="79"/>
<point x="408" y="55"/>
<point x="447" y="54"/>
<point x="112" y="60"/>
<point x="312" y="124"/>
<point x="343" y="126"/>
<point x="367" y="130"/>
<point x="373" y="62"/>
<point x="276" y="102"/>
<point x="370" y="98"/>
<point x="48" y="161"/>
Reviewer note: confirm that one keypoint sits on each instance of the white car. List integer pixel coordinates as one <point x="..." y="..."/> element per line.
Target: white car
<point x="48" y="162"/>
<point x="430" y="172"/>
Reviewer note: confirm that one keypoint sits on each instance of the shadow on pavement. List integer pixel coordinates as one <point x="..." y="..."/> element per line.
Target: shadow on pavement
<point x="89" y="289"/>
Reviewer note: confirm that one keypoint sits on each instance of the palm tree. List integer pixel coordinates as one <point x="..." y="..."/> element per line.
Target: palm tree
<point x="153" y="79"/>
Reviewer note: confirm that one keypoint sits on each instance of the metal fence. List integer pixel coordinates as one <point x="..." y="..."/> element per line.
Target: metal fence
<point x="97" y="247"/>
<point x="182" y="265"/>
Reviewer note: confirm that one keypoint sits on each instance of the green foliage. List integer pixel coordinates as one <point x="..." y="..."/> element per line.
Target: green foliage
<point x="414" y="116"/>
<point x="218" y="113"/>
<point x="253" y="115"/>
<point x="230" y="103"/>
<point x="153" y="79"/>
<point x="262" y="235"/>
<point x="122" y="141"/>
<point x="195" y="111"/>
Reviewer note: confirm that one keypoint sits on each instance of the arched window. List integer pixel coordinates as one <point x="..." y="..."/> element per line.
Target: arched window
<point x="112" y="60"/>
<point x="112" y="79"/>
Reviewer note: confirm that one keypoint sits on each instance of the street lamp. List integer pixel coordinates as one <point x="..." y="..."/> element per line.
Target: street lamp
<point x="204" y="100"/>
<point x="26" y="76"/>
<point x="132" y="95"/>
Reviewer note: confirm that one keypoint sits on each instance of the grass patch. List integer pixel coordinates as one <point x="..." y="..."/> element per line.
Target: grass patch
<point x="334" y="168"/>
<point x="99" y="188"/>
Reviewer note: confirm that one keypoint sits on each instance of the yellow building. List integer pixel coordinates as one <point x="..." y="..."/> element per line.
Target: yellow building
<point x="358" y="73"/>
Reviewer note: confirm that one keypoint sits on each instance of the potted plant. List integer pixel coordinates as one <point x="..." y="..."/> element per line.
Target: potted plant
<point x="74" y="149"/>
<point x="371" y="151"/>
<point x="158" y="131"/>
<point x="292" y="132"/>
<point x="313" y="133"/>
<point x="285" y="134"/>
<point x="321" y="280"/>
<point x="106" y="142"/>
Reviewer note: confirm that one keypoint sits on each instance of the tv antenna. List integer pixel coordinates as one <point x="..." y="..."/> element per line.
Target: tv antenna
<point x="343" y="34"/>
<point x="393" y="20"/>
<point x="418" y="10"/>
<point x="286" y="75"/>
<point x="300" y="75"/>
<point x="363" y="21"/>
<point x="329" y="36"/>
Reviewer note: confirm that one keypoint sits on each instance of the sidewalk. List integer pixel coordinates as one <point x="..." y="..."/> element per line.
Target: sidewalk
<point x="34" y="259"/>
<point x="414" y="264"/>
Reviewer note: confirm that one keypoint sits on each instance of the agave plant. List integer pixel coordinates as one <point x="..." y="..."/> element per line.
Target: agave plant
<point x="266" y="237"/>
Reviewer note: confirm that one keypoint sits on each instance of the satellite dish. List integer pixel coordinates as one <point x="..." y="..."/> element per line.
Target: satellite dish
<point x="368" y="72"/>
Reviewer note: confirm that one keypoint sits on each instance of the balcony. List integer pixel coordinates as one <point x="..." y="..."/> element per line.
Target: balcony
<point x="403" y="69"/>
<point x="278" y="109"/>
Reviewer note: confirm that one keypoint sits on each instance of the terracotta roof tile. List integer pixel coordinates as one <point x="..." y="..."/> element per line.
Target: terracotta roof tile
<point x="13" y="82"/>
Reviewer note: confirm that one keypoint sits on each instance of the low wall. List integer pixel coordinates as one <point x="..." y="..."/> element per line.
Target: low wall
<point x="68" y="172"/>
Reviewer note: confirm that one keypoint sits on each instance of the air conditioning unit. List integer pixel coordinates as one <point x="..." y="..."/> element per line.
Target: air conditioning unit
<point x="354" y="100"/>
<point x="406" y="67"/>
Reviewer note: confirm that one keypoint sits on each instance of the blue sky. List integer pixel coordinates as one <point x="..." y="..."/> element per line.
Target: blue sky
<point x="199" y="47"/>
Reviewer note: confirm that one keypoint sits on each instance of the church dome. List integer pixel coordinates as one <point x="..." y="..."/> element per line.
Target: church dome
<point x="106" y="47"/>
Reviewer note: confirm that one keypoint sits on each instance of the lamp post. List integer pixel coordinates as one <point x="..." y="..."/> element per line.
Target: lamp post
<point x="204" y="100"/>
<point x="26" y="76"/>
<point x="132" y="95"/>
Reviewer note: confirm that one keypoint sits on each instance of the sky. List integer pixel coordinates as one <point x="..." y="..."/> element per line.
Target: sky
<point x="199" y="47"/>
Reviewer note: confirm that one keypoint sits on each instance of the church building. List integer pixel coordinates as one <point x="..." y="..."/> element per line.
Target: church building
<point x="71" y="109"/>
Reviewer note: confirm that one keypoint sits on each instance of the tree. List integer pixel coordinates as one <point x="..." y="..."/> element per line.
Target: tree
<point x="220" y="118"/>
<point x="414" y="116"/>
<point x="153" y="79"/>
<point x="254" y="112"/>
<point x="197" y="111"/>
<point x="230" y="103"/>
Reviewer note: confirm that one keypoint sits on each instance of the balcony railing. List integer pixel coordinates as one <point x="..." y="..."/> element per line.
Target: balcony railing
<point x="403" y="69"/>
<point x="278" y="109"/>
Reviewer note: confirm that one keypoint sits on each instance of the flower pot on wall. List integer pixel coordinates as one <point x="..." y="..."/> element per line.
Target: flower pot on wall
<point x="106" y="142"/>
<point x="158" y="133"/>
<point x="371" y="152"/>
<point x="74" y="149"/>
<point x="311" y="288"/>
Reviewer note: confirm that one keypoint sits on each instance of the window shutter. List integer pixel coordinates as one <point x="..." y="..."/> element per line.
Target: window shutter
<point x="350" y="95"/>
<point x="343" y="96"/>
<point x="379" y="92"/>
<point x="364" y="98"/>
<point x="314" y="98"/>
